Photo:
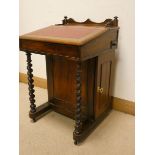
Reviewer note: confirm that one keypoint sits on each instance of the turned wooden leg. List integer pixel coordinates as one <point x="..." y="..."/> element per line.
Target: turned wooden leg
<point x="30" y="84"/>
<point x="78" y="121"/>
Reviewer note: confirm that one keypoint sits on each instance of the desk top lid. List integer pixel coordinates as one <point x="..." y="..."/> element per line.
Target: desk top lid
<point x="72" y="32"/>
<point x="66" y="34"/>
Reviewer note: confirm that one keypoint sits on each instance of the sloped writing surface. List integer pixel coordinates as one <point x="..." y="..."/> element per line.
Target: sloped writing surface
<point x="75" y="35"/>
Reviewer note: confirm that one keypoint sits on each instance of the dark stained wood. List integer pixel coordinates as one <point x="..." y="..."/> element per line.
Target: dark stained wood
<point x="61" y="78"/>
<point x="89" y="127"/>
<point x="30" y="83"/>
<point x="41" y="111"/>
<point x="78" y="121"/>
<point x="106" y="23"/>
<point x="98" y="45"/>
<point x="64" y="21"/>
<point x="49" y="73"/>
<point x="46" y="48"/>
<point x="104" y="71"/>
<point x="91" y="72"/>
<point x="79" y="77"/>
<point x="87" y="51"/>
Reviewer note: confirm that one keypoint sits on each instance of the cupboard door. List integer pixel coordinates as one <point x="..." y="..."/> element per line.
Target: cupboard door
<point x="103" y="85"/>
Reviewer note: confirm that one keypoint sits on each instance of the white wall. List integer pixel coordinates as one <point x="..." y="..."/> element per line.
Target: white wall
<point x="35" y="14"/>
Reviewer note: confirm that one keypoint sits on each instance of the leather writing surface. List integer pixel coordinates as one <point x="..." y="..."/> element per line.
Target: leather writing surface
<point x="76" y="35"/>
<point x="75" y="32"/>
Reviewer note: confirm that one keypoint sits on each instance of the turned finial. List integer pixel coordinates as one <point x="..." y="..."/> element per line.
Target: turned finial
<point x="115" y="17"/>
<point x="65" y="17"/>
<point x="115" y="21"/>
<point x="64" y="21"/>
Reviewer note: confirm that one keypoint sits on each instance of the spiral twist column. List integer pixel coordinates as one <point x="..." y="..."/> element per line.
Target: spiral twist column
<point x="78" y="122"/>
<point x="30" y="83"/>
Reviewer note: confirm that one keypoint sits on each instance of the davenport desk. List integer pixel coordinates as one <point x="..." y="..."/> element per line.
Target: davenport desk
<point x="79" y="64"/>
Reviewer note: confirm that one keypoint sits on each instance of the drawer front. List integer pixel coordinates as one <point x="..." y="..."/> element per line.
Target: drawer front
<point x="49" y="48"/>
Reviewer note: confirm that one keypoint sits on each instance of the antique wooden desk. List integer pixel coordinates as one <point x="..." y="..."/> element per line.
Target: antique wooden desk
<point x="79" y="62"/>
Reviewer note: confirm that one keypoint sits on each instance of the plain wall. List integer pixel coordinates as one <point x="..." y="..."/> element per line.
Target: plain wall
<point x="35" y="14"/>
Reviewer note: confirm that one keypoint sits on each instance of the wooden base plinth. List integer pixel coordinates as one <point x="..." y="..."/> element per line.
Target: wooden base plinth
<point x="40" y="111"/>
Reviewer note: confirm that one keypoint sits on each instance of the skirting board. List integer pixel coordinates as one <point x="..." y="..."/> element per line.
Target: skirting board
<point x="118" y="104"/>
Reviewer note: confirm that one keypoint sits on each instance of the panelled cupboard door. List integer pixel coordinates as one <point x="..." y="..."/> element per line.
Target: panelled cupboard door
<point x="103" y="85"/>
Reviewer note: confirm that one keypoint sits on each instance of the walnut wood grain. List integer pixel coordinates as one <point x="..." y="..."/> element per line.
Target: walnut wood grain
<point x="76" y="74"/>
<point x="46" y="48"/>
<point x="61" y="82"/>
<point x="104" y="74"/>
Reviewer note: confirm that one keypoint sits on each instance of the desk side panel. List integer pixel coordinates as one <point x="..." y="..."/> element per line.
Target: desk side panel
<point x="100" y="44"/>
<point x="61" y="78"/>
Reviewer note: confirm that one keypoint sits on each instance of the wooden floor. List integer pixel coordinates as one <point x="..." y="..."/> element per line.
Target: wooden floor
<point x="52" y="135"/>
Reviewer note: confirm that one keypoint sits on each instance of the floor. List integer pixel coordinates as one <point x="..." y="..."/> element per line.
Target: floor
<point x="52" y="134"/>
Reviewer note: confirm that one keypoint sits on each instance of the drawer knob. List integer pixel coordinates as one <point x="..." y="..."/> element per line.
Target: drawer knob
<point x="114" y="44"/>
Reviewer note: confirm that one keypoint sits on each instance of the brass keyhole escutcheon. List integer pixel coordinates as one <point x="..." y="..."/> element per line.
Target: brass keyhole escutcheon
<point x="100" y="90"/>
